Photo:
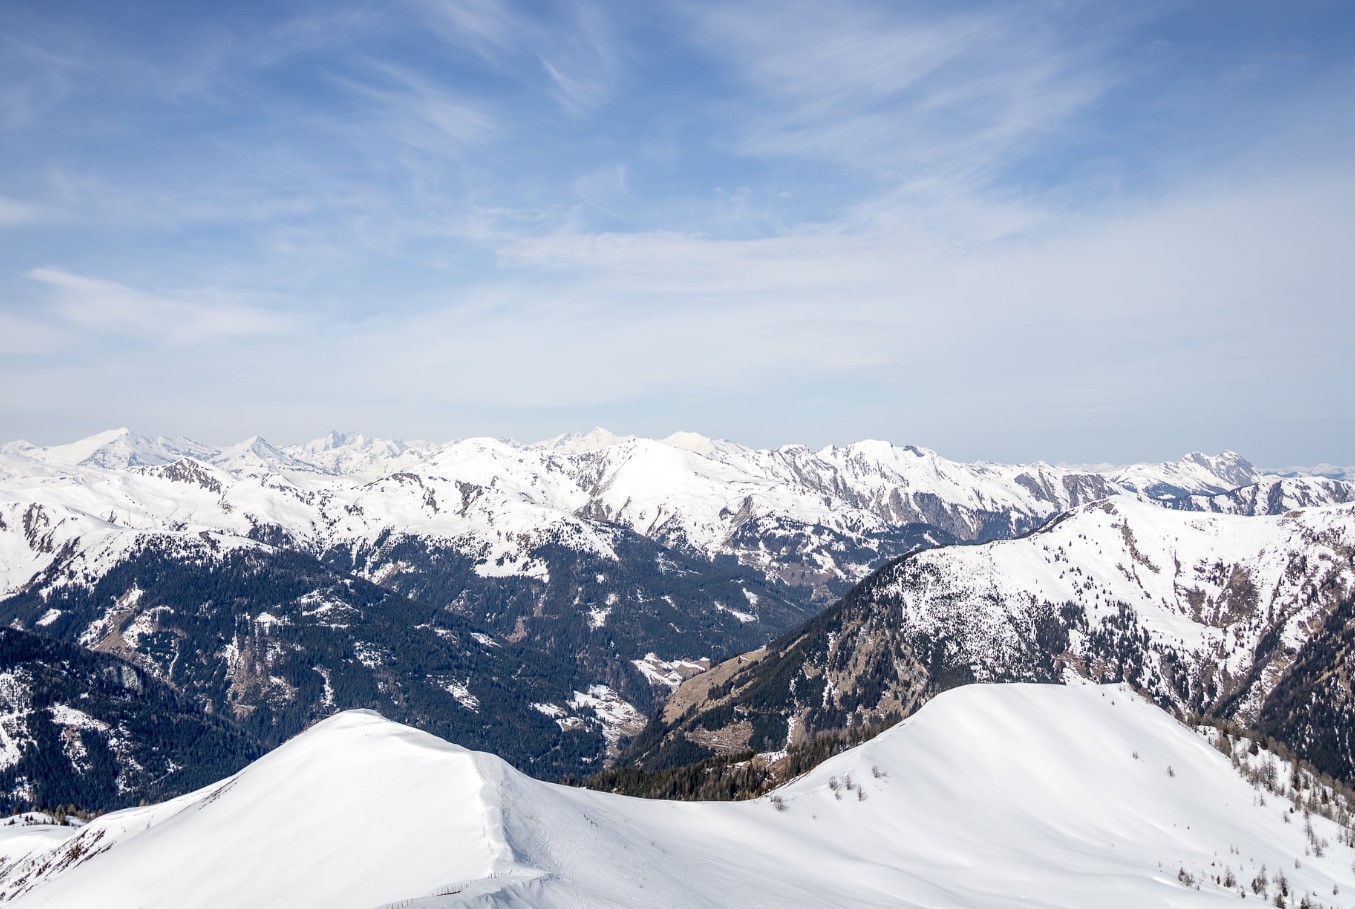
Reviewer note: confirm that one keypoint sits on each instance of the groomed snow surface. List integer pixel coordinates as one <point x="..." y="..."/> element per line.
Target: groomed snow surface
<point x="991" y="796"/>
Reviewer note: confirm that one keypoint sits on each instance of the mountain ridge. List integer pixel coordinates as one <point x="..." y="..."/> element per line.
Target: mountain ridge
<point x="1211" y="613"/>
<point x="1024" y="792"/>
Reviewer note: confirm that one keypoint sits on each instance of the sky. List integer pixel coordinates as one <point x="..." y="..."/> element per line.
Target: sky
<point x="1070" y="231"/>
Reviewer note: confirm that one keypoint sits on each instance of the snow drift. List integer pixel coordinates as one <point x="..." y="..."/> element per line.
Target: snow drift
<point x="990" y="796"/>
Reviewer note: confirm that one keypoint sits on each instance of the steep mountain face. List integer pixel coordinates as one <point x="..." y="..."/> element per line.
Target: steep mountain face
<point x="87" y="729"/>
<point x="1233" y="617"/>
<point x="1274" y="495"/>
<point x="1195" y="473"/>
<point x="596" y="561"/>
<point x="600" y="612"/>
<point x="275" y="640"/>
<point x="993" y="796"/>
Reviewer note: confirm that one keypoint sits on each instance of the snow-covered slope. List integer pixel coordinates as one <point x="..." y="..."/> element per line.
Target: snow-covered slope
<point x="989" y="797"/>
<point x="1249" y="618"/>
<point x="1273" y="495"/>
<point x="1209" y="590"/>
<point x="114" y="449"/>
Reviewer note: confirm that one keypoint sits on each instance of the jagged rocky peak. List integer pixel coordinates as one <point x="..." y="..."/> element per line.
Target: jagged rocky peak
<point x="193" y="471"/>
<point x="1227" y="465"/>
<point x="257" y="453"/>
<point x="1195" y="474"/>
<point x="336" y="439"/>
<point x="355" y="454"/>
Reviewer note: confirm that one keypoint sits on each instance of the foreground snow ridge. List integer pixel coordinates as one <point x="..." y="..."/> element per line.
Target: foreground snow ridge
<point x="990" y="796"/>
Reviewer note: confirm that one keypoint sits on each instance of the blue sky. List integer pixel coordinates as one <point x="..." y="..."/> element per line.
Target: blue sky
<point x="1068" y="230"/>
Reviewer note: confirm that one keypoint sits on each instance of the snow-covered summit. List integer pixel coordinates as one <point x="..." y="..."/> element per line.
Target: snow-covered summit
<point x="113" y="449"/>
<point x="1193" y="474"/>
<point x="353" y="454"/>
<point x="699" y="444"/>
<point x="256" y="455"/>
<point x="574" y="443"/>
<point x="990" y="796"/>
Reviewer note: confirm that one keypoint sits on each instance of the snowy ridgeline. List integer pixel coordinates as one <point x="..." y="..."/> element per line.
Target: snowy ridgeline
<point x="809" y="517"/>
<point x="990" y="796"/>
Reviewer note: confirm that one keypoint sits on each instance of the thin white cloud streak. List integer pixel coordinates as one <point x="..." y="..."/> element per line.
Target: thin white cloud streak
<point x="13" y="212"/>
<point x="900" y="95"/>
<point x="489" y="28"/>
<point x="417" y="112"/>
<point x="577" y="53"/>
<point x="582" y="63"/>
<point x="39" y="69"/>
<point x="97" y="306"/>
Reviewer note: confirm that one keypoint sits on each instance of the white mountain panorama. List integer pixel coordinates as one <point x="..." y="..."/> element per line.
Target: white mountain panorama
<point x="685" y="490"/>
<point x="690" y="599"/>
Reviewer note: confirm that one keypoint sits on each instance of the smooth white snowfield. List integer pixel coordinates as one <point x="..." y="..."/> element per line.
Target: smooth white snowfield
<point x="990" y="796"/>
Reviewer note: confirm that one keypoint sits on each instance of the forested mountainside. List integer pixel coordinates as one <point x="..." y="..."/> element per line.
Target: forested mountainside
<point x="1244" y="618"/>
<point x="276" y="640"/>
<point x="92" y="732"/>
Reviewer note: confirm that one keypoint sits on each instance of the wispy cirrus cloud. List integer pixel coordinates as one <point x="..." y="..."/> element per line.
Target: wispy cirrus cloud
<point x="584" y="66"/>
<point x="419" y="112"/>
<point x="41" y="69"/>
<point x="906" y="90"/>
<point x="107" y="307"/>
<point x="572" y="49"/>
<point x="13" y="212"/>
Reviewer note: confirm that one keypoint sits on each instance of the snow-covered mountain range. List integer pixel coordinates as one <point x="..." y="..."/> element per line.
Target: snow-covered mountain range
<point x="991" y="796"/>
<point x="606" y="564"/>
<point x="816" y="520"/>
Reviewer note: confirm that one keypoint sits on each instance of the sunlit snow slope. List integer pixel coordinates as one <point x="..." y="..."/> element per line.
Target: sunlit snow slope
<point x="990" y="796"/>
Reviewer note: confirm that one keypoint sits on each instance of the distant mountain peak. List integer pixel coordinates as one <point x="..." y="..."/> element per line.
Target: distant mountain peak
<point x="596" y="439"/>
<point x="257" y="453"/>
<point x="336" y="439"/>
<point x="691" y="441"/>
